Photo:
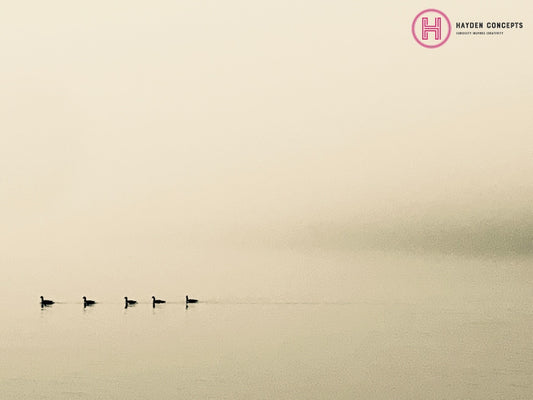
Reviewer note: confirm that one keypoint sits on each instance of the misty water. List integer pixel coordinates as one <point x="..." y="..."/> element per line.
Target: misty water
<point x="352" y="210"/>
<point x="368" y="325"/>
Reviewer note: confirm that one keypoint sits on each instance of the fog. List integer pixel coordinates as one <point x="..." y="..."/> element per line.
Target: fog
<point x="174" y="135"/>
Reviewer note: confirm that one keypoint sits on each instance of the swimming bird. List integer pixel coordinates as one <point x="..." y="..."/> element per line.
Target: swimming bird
<point x="129" y="302"/>
<point x="157" y="301"/>
<point x="46" y="302"/>
<point x="88" y="302"/>
<point x="187" y="300"/>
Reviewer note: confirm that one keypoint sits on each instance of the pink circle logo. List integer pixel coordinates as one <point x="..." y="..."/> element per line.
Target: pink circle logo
<point x="431" y="28"/>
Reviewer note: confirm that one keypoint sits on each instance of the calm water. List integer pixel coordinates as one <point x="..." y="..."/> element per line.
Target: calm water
<point x="468" y="336"/>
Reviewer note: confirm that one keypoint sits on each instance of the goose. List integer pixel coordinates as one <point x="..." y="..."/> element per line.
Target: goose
<point x="88" y="302"/>
<point x="129" y="302"/>
<point x="187" y="300"/>
<point x="46" y="302"/>
<point x="157" y="301"/>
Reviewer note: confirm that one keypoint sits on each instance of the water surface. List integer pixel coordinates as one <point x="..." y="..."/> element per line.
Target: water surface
<point x="469" y="339"/>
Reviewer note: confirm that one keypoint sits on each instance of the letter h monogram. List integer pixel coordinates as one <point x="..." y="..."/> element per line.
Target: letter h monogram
<point x="426" y="28"/>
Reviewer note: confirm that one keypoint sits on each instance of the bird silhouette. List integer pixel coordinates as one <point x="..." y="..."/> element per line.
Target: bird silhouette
<point x="88" y="303"/>
<point x="46" y="302"/>
<point x="157" y="301"/>
<point x="129" y="302"/>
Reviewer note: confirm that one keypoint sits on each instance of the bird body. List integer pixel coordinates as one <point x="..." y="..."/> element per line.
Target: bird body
<point x="129" y="302"/>
<point x="88" y="302"/>
<point x="157" y="301"/>
<point x="46" y="302"/>
<point x="188" y="300"/>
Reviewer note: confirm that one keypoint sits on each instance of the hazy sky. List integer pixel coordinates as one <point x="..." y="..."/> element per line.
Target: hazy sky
<point x="132" y="127"/>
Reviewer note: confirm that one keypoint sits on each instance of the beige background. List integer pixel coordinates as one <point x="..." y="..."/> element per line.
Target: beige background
<point x="136" y="135"/>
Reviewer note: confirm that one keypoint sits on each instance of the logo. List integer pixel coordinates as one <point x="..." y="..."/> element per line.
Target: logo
<point x="431" y="28"/>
